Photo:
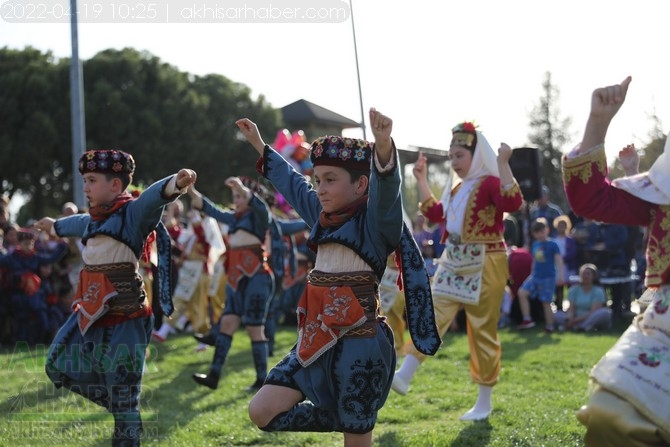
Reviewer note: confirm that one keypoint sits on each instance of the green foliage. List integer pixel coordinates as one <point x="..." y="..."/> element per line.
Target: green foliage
<point x="32" y="101"/>
<point x="542" y="383"/>
<point x="166" y="118"/>
<point x="550" y="132"/>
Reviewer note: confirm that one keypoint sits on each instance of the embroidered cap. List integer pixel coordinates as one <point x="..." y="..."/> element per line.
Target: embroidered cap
<point x="348" y="153"/>
<point x="464" y="135"/>
<point x="107" y="161"/>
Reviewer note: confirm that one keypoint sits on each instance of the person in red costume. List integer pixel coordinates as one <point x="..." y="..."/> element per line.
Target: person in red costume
<point x="629" y="403"/>
<point x="473" y="266"/>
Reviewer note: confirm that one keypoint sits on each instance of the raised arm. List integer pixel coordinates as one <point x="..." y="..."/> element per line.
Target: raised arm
<point x="185" y="178"/>
<point x="44" y="224"/>
<point x="630" y="160"/>
<point x="382" y="126"/>
<point x="251" y="133"/>
<point x="605" y="103"/>
<point x="504" y="169"/>
<point x="196" y="198"/>
<point x="420" y="171"/>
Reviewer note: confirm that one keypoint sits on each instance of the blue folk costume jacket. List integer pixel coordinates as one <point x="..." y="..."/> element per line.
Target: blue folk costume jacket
<point x="254" y="221"/>
<point x="131" y="225"/>
<point x="373" y="234"/>
<point x="283" y="247"/>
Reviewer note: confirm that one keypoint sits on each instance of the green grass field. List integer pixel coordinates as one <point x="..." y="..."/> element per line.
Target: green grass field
<point x="542" y="383"/>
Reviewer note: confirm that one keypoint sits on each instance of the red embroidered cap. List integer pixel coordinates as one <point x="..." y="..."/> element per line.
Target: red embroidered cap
<point x="106" y="161"/>
<point x="348" y="153"/>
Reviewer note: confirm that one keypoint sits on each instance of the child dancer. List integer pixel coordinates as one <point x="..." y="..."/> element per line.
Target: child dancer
<point x="339" y="374"/>
<point x="100" y="350"/>
<point x="472" y="215"/>
<point x="629" y="403"/>
<point x="250" y="280"/>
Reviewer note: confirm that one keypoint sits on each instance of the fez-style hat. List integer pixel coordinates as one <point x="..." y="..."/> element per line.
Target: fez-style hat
<point x="347" y="153"/>
<point x="106" y="161"/>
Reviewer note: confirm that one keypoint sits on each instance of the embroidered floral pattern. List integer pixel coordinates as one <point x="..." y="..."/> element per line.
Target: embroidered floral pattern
<point x="106" y="161"/>
<point x="658" y="245"/>
<point x="338" y="307"/>
<point x="359" y="154"/>
<point x="487" y="215"/>
<point x="309" y="332"/>
<point x="350" y="152"/>
<point x="512" y="191"/>
<point x="325" y="314"/>
<point x="480" y="224"/>
<point x="333" y="151"/>
<point x="364" y="387"/>
<point x="661" y="305"/>
<point x="651" y="357"/>
<point x="582" y="167"/>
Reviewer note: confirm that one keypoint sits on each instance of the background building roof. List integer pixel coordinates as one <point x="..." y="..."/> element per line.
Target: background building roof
<point x="303" y="112"/>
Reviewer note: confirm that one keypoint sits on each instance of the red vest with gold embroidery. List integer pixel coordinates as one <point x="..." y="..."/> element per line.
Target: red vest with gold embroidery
<point x="592" y="195"/>
<point x="483" y="221"/>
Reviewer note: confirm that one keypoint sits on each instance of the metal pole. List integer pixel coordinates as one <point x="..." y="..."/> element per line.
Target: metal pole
<point x="76" y="110"/>
<point x="358" y="74"/>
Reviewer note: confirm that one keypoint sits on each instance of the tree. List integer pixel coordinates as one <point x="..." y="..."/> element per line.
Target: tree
<point x="170" y="119"/>
<point x="166" y="118"/>
<point x="549" y="132"/>
<point x="33" y="111"/>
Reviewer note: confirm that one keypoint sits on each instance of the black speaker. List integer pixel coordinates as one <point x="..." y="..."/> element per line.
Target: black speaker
<point x="527" y="169"/>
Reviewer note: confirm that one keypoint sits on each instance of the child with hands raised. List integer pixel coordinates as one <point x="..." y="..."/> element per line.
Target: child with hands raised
<point x="339" y="374"/>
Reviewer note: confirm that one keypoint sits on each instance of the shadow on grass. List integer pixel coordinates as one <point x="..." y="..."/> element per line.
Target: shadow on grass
<point x="477" y="433"/>
<point x="177" y="400"/>
<point x="516" y="342"/>
<point x="389" y="439"/>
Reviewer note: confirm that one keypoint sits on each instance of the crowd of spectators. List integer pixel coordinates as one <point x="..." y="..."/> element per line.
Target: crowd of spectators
<point x="39" y="274"/>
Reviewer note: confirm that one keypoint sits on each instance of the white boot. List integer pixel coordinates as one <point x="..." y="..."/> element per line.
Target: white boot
<point x="404" y="375"/>
<point x="482" y="408"/>
<point x="162" y="334"/>
<point x="181" y="323"/>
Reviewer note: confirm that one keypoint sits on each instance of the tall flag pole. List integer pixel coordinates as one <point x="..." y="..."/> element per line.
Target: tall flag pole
<point x="358" y="73"/>
<point x="76" y="109"/>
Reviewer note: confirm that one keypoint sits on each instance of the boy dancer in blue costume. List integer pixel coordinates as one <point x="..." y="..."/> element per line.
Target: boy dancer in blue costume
<point x="99" y="351"/>
<point x="339" y="374"/>
<point x="250" y="279"/>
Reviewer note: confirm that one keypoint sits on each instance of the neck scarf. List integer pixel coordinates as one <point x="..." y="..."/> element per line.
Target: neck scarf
<point x="339" y="217"/>
<point x="102" y="212"/>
